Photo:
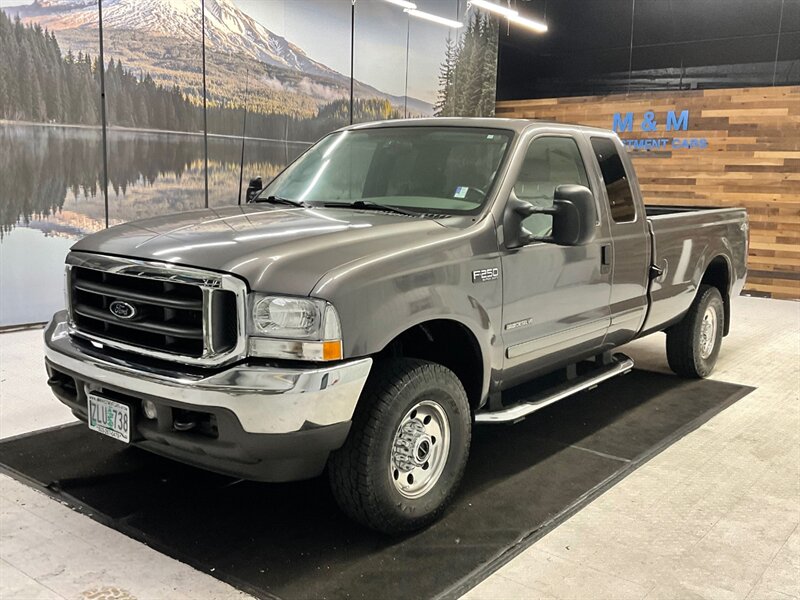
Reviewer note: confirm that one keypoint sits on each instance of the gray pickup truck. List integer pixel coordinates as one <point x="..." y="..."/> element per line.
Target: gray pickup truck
<point x="373" y="303"/>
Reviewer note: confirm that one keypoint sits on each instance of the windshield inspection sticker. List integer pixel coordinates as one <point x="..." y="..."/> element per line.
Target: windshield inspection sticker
<point x="461" y="192"/>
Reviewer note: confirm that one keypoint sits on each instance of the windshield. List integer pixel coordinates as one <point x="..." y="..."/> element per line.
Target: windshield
<point x="442" y="170"/>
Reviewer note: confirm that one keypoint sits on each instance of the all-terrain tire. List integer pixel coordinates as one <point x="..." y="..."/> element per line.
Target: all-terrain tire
<point x="389" y="426"/>
<point x="694" y="343"/>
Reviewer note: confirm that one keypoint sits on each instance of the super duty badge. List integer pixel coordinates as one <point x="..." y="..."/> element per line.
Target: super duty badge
<point x="480" y="275"/>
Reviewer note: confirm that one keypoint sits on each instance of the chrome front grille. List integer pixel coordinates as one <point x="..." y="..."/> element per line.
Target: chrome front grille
<point x="158" y="309"/>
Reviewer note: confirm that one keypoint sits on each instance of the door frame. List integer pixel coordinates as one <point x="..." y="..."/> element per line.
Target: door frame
<point x="554" y="343"/>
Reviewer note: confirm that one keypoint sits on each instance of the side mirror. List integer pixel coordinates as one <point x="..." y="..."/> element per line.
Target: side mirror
<point x="574" y="217"/>
<point x="253" y="189"/>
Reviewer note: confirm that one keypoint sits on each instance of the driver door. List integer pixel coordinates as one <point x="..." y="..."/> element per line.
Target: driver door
<point x="556" y="298"/>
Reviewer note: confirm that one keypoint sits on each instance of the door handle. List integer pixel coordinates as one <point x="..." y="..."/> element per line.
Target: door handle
<point x="657" y="271"/>
<point x="605" y="254"/>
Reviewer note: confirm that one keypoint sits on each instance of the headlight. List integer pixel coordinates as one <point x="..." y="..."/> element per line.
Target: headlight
<point x="297" y="328"/>
<point x="277" y="316"/>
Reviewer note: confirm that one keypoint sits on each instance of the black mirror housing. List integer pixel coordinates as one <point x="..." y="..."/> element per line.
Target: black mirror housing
<point x="253" y="189"/>
<point x="575" y="215"/>
<point x="574" y="218"/>
<point x="515" y="235"/>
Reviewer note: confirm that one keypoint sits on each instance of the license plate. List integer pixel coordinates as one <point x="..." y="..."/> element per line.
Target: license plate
<point x="109" y="417"/>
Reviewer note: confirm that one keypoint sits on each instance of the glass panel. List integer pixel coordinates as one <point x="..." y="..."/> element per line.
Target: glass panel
<point x="549" y="163"/>
<point x="467" y="56"/>
<point x="381" y="33"/>
<point x="263" y="158"/>
<point x="432" y="48"/>
<point x="50" y="162"/>
<point x="152" y="173"/>
<point x="618" y="190"/>
<point x="431" y="169"/>
<point x="154" y="90"/>
<point x="282" y="63"/>
<point x="321" y="30"/>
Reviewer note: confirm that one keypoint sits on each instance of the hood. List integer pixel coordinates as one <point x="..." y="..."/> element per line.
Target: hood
<point x="274" y="248"/>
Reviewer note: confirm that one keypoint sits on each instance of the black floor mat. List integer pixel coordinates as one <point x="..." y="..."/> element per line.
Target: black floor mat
<point x="290" y="541"/>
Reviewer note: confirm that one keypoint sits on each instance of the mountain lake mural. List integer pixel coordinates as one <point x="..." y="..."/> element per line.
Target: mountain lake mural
<point x="286" y="63"/>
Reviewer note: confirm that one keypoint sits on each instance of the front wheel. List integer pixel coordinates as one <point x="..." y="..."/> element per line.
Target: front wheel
<point x="693" y="344"/>
<point x="407" y="449"/>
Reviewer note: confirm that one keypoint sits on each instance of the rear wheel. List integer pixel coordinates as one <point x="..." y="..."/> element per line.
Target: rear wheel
<point x="406" y="452"/>
<point x="693" y="345"/>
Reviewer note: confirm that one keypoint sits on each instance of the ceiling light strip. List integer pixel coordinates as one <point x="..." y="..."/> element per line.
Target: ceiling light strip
<point x="537" y="26"/>
<point x="495" y="8"/>
<point x="403" y="3"/>
<point x="434" y="18"/>
<point x="511" y="14"/>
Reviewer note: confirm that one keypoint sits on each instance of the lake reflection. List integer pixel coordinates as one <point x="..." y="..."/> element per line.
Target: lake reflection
<point x="51" y="195"/>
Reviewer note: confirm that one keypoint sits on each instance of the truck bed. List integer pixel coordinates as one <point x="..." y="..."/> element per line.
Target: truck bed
<point x="684" y="242"/>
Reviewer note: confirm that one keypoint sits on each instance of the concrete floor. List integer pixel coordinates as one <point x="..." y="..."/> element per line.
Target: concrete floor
<point x="715" y="515"/>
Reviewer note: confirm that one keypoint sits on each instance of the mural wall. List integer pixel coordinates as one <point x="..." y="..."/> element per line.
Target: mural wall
<point x="705" y="95"/>
<point x="601" y="47"/>
<point x="736" y="147"/>
<point x="277" y="77"/>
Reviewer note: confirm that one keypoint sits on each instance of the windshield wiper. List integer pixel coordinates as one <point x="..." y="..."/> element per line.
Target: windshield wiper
<point x="370" y="205"/>
<point x="279" y="200"/>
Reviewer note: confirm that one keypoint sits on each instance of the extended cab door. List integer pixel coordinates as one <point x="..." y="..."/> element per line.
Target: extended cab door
<point x="555" y="298"/>
<point x="629" y="260"/>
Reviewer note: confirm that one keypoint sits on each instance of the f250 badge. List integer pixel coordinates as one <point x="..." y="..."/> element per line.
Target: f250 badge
<point x="482" y="275"/>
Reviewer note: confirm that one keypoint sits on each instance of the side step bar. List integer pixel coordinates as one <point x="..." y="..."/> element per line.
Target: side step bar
<point x="620" y="365"/>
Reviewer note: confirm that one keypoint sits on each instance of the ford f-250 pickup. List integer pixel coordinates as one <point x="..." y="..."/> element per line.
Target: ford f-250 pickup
<point x="370" y="305"/>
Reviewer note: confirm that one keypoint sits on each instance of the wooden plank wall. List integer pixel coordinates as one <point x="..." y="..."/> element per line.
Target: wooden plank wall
<point x="752" y="160"/>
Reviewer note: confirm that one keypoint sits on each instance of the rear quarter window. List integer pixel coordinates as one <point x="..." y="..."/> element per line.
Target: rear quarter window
<point x="618" y="188"/>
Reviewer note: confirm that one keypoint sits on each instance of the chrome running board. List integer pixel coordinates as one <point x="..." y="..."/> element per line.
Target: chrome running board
<point x="621" y="364"/>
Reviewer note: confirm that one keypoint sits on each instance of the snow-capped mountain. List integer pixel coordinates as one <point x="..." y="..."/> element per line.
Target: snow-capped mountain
<point x="228" y="29"/>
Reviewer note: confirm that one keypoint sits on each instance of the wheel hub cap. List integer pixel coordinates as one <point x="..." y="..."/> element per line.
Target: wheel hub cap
<point x="708" y="332"/>
<point x="420" y="449"/>
<point x="406" y="453"/>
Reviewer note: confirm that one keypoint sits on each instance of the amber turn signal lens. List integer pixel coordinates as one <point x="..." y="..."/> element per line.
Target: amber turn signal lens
<point x="332" y="350"/>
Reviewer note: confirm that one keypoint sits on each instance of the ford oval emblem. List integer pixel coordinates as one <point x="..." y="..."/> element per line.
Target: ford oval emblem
<point x="122" y="309"/>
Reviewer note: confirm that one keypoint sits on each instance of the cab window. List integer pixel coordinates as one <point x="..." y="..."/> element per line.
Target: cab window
<point x="618" y="188"/>
<point x="549" y="162"/>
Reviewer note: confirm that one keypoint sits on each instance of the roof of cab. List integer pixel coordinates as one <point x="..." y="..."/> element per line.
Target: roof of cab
<point x="516" y="125"/>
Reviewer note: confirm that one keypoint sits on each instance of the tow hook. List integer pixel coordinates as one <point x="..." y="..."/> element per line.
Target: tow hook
<point x="185" y="420"/>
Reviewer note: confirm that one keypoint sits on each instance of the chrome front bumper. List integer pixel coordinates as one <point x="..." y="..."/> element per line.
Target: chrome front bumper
<point x="265" y="399"/>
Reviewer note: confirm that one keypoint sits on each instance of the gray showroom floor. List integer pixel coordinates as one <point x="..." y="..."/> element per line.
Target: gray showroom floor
<point x="715" y="515"/>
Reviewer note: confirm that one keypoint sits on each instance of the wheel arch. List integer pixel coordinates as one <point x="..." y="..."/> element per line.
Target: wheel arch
<point x="449" y="343"/>
<point x="718" y="274"/>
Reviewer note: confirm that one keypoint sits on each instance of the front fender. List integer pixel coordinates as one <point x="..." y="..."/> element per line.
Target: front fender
<point x="381" y="297"/>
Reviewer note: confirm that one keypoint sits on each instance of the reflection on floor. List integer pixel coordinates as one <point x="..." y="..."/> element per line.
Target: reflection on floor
<point x="715" y="515"/>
